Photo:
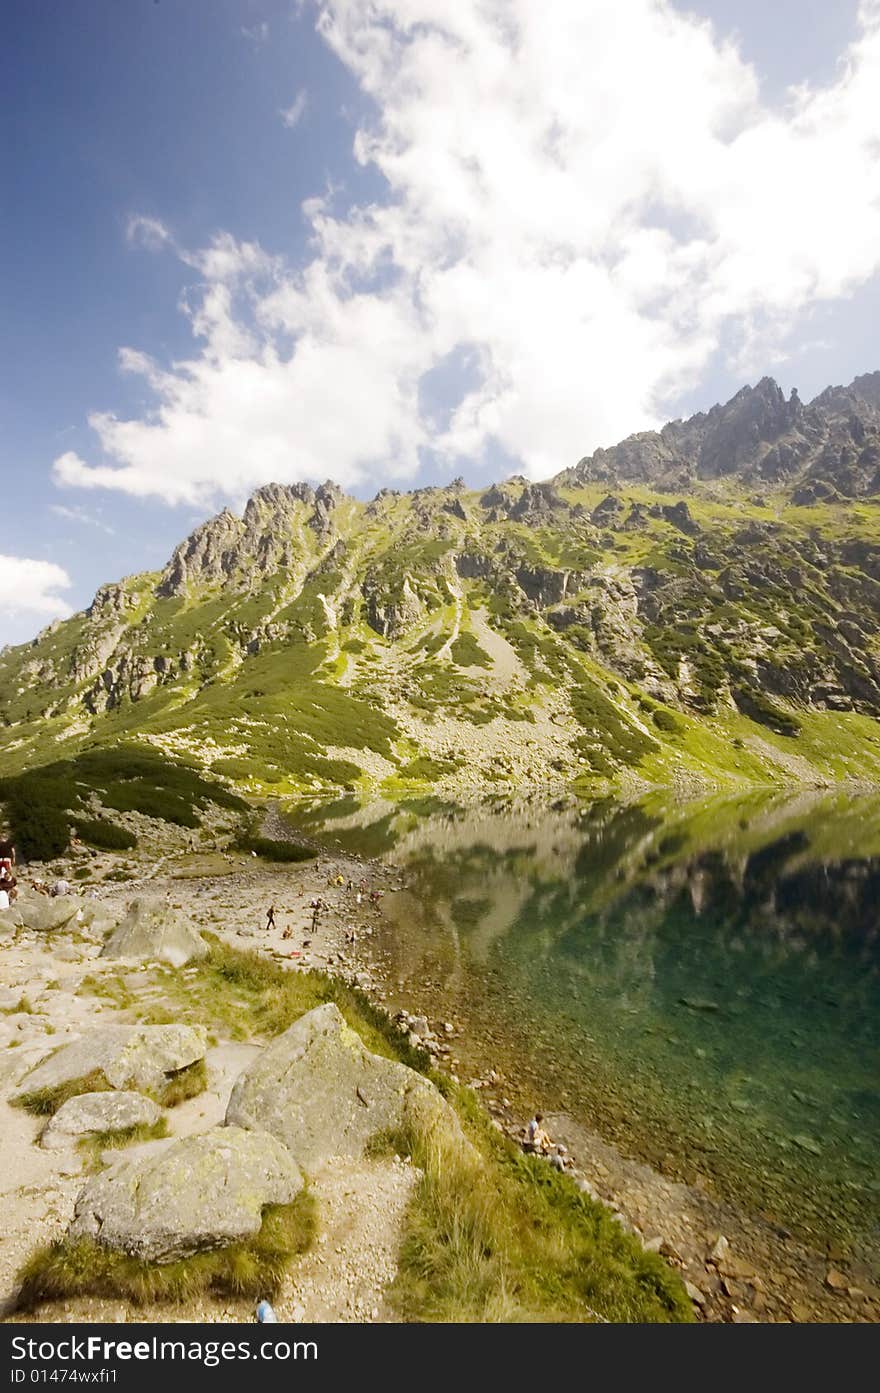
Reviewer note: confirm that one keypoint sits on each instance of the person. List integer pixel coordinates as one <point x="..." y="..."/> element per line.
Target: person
<point x="537" y="1139"/>
<point x="7" y="860"/>
<point x="270" y="918"/>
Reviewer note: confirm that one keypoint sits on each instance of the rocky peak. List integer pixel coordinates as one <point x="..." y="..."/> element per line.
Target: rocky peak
<point x="208" y="553"/>
<point x="537" y="502"/>
<point x="757" y="436"/>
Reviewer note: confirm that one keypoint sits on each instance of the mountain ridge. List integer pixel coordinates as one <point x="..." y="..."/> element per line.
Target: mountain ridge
<point x="695" y="605"/>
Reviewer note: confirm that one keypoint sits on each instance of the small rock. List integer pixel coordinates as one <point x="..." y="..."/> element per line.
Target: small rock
<point x="721" y="1249"/>
<point x="835" y="1280"/>
<point x="695" y="1294"/>
<point x="807" y="1144"/>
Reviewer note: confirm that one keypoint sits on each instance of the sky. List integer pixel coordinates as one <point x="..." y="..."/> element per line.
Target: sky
<point x="390" y="242"/>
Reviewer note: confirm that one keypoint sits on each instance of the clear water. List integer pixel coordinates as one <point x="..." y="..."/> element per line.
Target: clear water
<point x="700" y="983"/>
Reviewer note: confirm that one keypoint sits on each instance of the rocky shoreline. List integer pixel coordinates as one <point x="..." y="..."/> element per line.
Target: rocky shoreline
<point x="738" y="1267"/>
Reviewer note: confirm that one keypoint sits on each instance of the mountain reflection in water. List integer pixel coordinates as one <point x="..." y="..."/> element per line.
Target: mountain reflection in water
<point x="702" y="982"/>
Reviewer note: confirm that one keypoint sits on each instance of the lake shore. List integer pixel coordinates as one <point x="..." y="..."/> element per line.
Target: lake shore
<point x="740" y="1267"/>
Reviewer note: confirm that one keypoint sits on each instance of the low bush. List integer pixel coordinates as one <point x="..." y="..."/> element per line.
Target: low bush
<point x="109" y="836"/>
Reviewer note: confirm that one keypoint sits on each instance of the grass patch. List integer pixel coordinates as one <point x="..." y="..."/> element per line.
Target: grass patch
<point x="243" y="994"/>
<point x="184" y="1083"/>
<point x="43" y="1102"/>
<point x="94" y="1143"/>
<point x="254" y="1268"/>
<point x="501" y="1236"/>
<point x="22" y="1007"/>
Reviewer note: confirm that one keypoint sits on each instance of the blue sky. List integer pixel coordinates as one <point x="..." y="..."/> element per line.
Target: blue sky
<point x="255" y="239"/>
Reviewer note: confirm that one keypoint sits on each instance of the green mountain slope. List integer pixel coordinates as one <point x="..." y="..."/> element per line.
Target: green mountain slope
<point x="631" y="621"/>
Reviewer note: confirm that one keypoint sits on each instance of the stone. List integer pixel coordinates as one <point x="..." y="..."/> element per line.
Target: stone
<point x="695" y="1294"/>
<point x="836" y="1280"/>
<point x="128" y="1056"/>
<point x="419" y="1026"/>
<point x="807" y="1144"/>
<point x="199" y="1193"/>
<point x="731" y="1266"/>
<point x="151" y="929"/>
<point x="98" y="1112"/>
<point x="320" y="1091"/>
<point x="46" y="913"/>
<point x="670" y="1251"/>
<point x="720" y="1250"/>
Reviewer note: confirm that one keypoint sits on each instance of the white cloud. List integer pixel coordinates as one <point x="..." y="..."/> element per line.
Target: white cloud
<point x="257" y="33"/>
<point x="149" y="233"/>
<point x="27" y="587"/>
<point x="77" y="514"/>
<point x="293" y="114"/>
<point x="586" y="202"/>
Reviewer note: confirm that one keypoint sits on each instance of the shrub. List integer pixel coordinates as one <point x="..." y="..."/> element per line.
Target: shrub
<point x="273" y="850"/>
<point x="107" y="835"/>
<point x="665" y="720"/>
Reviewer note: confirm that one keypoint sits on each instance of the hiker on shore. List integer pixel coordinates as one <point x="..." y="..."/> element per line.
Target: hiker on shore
<point x="270" y="918"/>
<point x="537" y="1139"/>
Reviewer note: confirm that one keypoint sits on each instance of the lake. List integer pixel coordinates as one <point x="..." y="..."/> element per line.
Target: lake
<point x="698" y="982"/>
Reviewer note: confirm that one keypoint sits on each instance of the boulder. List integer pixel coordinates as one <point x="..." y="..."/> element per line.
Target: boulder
<point x="98" y="1112"/>
<point x="151" y="929"/>
<point x="128" y="1056"/>
<point x="46" y="913"/>
<point x="320" y="1091"/>
<point x="201" y="1192"/>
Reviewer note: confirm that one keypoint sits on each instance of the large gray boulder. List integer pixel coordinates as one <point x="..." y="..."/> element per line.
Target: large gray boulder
<point x="201" y="1192"/>
<point x="151" y="929"/>
<point x="98" y="1112"/>
<point x="320" y="1091"/>
<point x="128" y="1056"/>
<point x="46" y="913"/>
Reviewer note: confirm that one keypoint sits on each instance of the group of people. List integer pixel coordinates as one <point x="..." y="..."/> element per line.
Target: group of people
<point x="8" y="882"/>
<point x="538" y="1143"/>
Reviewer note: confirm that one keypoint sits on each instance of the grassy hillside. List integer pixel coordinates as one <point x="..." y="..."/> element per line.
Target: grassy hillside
<point x="526" y="635"/>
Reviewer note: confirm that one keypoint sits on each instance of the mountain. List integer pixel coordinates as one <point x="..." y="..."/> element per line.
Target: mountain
<point x="825" y="450"/>
<point x="695" y="605"/>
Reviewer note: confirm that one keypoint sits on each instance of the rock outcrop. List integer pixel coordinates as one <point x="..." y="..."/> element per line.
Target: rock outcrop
<point x="320" y="1091"/>
<point x="199" y="1193"/>
<point x="98" y="1112"/>
<point x="127" y="1056"/>
<point x="151" y="929"/>
<point x="46" y="913"/>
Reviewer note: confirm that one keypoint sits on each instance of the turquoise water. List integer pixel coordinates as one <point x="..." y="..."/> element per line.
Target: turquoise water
<point x="701" y="984"/>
